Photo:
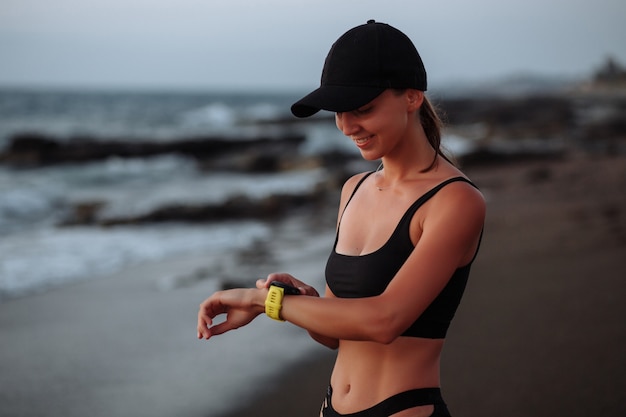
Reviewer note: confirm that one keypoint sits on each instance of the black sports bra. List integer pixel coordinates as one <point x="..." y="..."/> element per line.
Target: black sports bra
<point x="368" y="275"/>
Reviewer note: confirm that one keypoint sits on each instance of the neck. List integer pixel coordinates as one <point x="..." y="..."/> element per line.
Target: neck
<point x="408" y="160"/>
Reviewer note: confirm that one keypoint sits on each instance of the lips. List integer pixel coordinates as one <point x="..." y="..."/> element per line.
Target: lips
<point x="362" y="141"/>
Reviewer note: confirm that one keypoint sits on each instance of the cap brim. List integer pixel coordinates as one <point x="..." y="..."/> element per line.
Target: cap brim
<point x="335" y="98"/>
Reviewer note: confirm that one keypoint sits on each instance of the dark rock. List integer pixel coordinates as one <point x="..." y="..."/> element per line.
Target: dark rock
<point x="84" y="213"/>
<point x="273" y="207"/>
<point x="28" y="149"/>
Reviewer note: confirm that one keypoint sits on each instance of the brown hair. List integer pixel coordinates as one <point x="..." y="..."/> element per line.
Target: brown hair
<point x="432" y="125"/>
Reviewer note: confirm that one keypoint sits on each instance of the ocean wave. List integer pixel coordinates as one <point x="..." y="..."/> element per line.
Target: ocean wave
<point x="45" y="258"/>
<point x="40" y="197"/>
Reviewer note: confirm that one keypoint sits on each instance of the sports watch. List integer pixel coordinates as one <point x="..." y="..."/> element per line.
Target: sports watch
<point x="274" y="300"/>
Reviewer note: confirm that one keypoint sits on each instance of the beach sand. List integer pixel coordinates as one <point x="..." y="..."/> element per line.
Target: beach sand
<point x="539" y="332"/>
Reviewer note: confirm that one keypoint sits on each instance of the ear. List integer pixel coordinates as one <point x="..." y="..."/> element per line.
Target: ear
<point x="415" y="98"/>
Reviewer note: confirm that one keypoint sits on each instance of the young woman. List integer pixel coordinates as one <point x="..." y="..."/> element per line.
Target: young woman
<point x="407" y="235"/>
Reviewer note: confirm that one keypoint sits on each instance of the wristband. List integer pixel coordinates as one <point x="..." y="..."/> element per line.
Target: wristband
<point x="274" y="300"/>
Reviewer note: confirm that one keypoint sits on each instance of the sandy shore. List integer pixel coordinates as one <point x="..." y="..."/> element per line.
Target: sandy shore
<point x="539" y="333"/>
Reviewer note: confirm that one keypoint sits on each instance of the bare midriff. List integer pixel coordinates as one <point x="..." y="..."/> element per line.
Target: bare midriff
<point x="367" y="373"/>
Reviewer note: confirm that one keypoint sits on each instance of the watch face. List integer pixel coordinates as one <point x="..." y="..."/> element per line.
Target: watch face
<point x="289" y="290"/>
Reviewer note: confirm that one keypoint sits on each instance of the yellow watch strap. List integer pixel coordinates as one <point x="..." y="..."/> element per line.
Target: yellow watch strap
<point x="274" y="302"/>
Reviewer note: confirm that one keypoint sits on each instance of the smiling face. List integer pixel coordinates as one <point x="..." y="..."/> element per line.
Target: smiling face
<point x="380" y="126"/>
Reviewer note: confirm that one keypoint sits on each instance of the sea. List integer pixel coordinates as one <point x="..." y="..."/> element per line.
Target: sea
<point x="37" y="254"/>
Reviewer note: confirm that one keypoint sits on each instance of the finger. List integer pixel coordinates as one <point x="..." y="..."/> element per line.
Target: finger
<point x="203" y="331"/>
<point x="219" y="329"/>
<point x="262" y="283"/>
<point x="211" y="307"/>
<point x="282" y="277"/>
<point x="204" y="322"/>
<point x="204" y="317"/>
<point x="274" y="276"/>
<point x="308" y="290"/>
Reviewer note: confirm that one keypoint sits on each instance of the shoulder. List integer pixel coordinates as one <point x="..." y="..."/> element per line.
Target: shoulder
<point x="352" y="183"/>
<point x="459" y="201"/>
<point x="348" y="189"/>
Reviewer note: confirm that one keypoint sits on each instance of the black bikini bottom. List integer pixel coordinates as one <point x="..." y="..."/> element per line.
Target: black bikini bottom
<point x="394" y="404"/>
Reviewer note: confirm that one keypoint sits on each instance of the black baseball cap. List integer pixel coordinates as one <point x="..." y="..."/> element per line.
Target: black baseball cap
<point x="361" y="64"/>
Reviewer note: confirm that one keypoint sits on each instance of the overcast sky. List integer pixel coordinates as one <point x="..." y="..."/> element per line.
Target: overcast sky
<point x="281" y="44"/>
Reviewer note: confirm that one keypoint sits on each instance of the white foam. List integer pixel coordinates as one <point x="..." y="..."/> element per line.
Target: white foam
<point x="50" y="257"/>
<point x="213" y="115"/>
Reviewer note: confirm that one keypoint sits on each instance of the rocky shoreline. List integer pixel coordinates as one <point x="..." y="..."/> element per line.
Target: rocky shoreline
<point x="586" y="117"/>
<point x="553" y="124"/>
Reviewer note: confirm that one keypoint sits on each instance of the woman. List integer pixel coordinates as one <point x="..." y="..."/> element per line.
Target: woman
<point x="407" y="235"/>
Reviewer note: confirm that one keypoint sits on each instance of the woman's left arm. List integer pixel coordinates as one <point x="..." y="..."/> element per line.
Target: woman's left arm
<point x="241" y="305"/>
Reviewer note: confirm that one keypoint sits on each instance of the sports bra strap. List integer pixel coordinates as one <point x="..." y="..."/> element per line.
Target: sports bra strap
<point x="354" y="191"/>
<point x="430" y="193"/>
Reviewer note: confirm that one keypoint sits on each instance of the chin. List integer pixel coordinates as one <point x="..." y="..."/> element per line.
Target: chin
<point x="370" y="156"/>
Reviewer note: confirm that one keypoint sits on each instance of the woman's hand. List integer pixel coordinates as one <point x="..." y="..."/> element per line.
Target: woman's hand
<point x="241" y="306"/>
<point x="290" y="280"/>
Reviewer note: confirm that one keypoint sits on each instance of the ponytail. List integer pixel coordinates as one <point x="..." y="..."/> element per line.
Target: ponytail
<point x="432" y="125"/>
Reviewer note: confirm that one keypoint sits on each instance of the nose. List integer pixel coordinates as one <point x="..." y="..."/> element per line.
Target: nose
<point x="347" y="123"/>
